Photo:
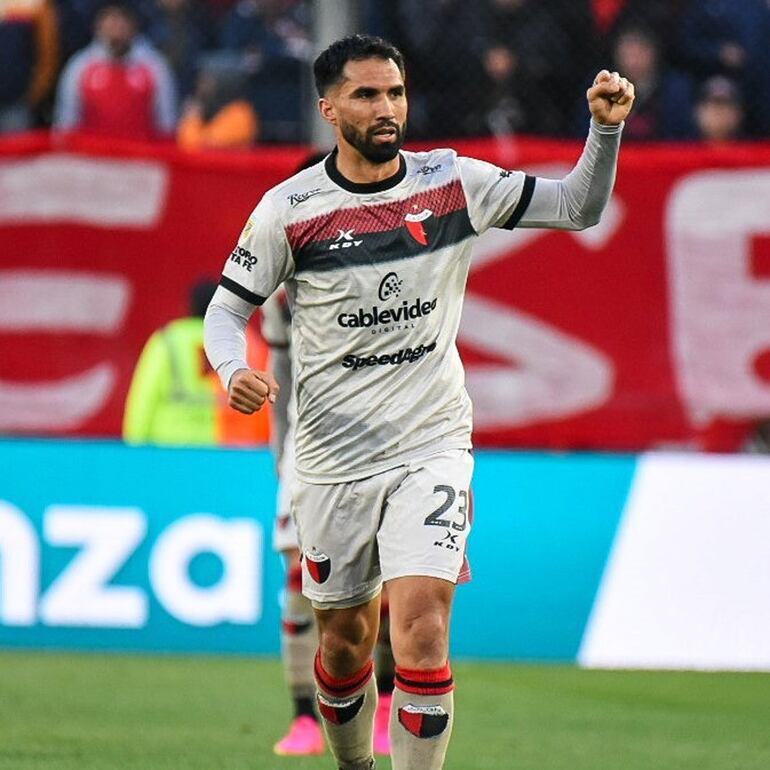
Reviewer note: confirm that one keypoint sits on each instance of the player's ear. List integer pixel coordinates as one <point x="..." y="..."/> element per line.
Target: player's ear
<point x="328" y="113"/>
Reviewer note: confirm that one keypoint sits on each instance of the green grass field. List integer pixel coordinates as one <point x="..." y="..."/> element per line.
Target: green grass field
<point x="98" y="712"/>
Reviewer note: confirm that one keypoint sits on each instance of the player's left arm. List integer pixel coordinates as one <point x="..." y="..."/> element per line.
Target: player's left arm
<point x="577" y="201"/>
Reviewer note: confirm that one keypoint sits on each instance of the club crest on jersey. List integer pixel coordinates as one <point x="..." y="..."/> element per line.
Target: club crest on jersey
<point x="415" y="224"/>
<point x="319" y="565"/>
<point x="423" y="721"/>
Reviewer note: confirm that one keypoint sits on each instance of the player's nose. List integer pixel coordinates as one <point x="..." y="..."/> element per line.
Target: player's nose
<point x="385" y="109"/>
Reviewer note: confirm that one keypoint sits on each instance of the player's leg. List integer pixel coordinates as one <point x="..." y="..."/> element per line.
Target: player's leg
<point x="384" y="669"/>
<point x="299" y="642"/>
<point x="423" y="701"/>
<point x="337" y="527"/>
<point x="347" y="690"/>
<point x="422" y="543"/>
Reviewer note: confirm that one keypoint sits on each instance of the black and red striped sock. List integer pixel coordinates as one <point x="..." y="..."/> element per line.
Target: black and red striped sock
<point x="347" y="709"/>
<point x="421" y="718"/>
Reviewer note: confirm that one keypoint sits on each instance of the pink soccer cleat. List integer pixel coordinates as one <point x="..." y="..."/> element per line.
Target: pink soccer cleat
<point x="382" y="725"/>
<point x="305" y="738"/>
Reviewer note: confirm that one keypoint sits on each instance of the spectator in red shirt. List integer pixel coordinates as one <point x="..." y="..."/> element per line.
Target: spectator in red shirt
<point x="119" y="85"/>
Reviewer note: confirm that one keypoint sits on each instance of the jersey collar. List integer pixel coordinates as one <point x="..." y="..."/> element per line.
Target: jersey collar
<point x="367" y="187"/>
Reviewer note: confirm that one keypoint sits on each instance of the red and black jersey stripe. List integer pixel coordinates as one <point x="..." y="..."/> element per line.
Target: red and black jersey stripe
<point x="381" y="229"/>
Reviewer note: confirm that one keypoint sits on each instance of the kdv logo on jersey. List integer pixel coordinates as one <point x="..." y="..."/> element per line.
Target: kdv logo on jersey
<point x="345" y="240"/>
<point x="381" y="320"/>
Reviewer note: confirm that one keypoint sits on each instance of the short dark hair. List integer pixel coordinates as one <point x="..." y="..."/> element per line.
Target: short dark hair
<point x="330" y="63"/>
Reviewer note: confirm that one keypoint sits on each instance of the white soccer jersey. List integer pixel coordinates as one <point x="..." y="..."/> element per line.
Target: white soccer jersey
<point x="375" y="275"/>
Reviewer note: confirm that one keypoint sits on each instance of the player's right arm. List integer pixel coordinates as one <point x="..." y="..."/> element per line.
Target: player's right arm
<point x="260" y="261"/>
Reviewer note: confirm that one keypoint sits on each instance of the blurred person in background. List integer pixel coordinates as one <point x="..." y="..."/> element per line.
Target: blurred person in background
<point x="593" y="26"/>
<point x="119" y="86"/>
<point x="664" y="97"/>
<point x="719" y="111"/>
<point x="732" y="38"/>
<point x="608" y="18"/>
<point x="182" y="30"/>
<point x="175" y="398"/>
<point x="524" y="49"/>
<point x="29" y="59"/>
<point x="272" y="41"/>
<point x="444" y="43"/>
<point x="218" y="116"/>
<point x="299" y="632"/>
<point x="383" y="419"/>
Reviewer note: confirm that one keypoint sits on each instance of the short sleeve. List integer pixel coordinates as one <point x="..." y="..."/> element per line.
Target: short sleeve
<point x="496" y="197"/>
<point x="261" y="260"/>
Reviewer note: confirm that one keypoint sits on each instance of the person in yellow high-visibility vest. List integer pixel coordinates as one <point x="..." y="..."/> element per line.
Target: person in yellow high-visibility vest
<point x="175" y="398"/>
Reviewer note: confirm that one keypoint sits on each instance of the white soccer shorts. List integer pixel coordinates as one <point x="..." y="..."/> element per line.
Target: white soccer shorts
<point x="410" y="520"/>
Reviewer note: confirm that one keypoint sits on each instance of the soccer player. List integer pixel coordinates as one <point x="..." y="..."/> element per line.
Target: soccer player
<point x="374" y="245"/>
<point x="299" y="637"/>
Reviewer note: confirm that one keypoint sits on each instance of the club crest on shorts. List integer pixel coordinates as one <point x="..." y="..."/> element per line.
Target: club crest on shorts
<point x="319" y="565"/>
<point x="423" y="721"/>
<point x="415" y="224"/>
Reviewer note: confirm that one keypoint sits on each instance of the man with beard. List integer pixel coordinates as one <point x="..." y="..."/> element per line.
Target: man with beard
<point x="374" y="245"/>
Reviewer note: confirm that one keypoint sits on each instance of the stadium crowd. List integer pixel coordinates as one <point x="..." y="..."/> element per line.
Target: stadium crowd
<point x="231" y="73"/>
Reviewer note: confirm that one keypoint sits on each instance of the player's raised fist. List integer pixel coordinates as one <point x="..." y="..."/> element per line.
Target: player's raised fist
<point x="249" y="389"/>
<point x="610" y="98"/>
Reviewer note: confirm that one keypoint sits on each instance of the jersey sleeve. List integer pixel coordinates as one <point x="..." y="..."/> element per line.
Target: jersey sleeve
<point x="496" y="197"/>
<point x="260" y="261"/>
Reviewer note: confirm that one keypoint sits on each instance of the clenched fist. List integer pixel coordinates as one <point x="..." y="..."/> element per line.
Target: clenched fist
<point x="249" y="389"/>
<point x="610" y="98"/>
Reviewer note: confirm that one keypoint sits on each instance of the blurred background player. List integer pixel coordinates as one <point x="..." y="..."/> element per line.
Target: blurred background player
<point x="175" y="398"/>
<point x="299" y="633"/>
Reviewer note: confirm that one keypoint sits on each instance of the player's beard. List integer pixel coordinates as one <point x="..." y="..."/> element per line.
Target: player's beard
<point x="373" y="151"/>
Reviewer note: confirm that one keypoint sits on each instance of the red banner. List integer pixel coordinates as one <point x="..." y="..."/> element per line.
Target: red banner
<point x="652" y="329"/>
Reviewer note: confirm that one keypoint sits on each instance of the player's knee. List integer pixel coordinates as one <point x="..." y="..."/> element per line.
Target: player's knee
<point x="423" y="641"/>
<point x="346" y="646"/>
